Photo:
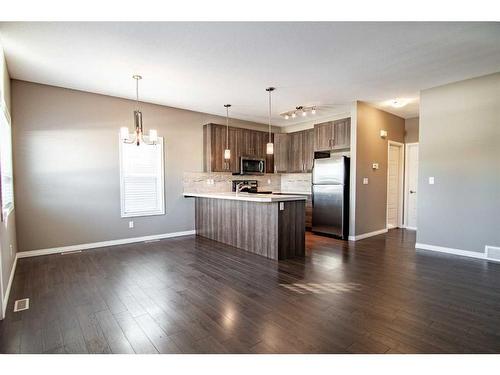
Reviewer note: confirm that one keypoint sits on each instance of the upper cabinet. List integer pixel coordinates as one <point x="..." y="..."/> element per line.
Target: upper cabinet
<point x="294" y="152"/>
<point x="242" y="142"/>
<point x="332" y="135"/>
<point x="342" y="133"/>
<point x="281" y="149"/>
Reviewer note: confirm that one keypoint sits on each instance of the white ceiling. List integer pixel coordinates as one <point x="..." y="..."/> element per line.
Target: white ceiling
<point x="202" y="66"/>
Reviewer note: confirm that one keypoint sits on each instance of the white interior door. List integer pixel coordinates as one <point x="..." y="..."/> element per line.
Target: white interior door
<point x="411" y="185"/>
<point x="394" y="184"/>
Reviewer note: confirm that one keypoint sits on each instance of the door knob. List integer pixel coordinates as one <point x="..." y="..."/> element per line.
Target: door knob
<point x="412" y="191"/>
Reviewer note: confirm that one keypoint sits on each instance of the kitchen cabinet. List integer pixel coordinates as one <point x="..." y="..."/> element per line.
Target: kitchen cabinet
<point x="281" y="152"/>
<point x="332" y="135"/>
<point x="323" y="136"/>
<point x="294" y="152"/>
<point x="308" y="150"/>
<point x="242" y="142"/>
<point x="342" y="133"/>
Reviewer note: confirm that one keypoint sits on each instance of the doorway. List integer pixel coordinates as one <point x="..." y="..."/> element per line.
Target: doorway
<point x="411" y="181"/>
<point x="395" y="171"/>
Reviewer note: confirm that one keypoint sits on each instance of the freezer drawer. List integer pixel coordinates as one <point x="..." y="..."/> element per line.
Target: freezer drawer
<point x="328" y="209"/>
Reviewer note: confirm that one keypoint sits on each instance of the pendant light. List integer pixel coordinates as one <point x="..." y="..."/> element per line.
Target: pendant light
<point x="138" y="136"/>
<point x="227" y="151"/>
<point x="270" y="145"/>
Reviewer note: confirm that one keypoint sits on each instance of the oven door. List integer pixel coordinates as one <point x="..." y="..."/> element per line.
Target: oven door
<point x="252" y="166"/>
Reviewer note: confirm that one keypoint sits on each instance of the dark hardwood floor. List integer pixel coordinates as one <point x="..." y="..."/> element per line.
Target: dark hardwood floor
<point x="193" y="295"/>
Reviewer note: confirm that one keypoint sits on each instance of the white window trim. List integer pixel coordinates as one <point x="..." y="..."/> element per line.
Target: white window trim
<point x="161" y="211"/>
<point x="8" y="210"/>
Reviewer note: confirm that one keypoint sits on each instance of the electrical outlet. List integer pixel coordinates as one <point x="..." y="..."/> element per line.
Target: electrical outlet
<point x="130" y="224"/>
<point x="269" y="181"/>
<point x="431" y="180"/>
<point x="375" y="166"/>
<point x="365" y="181"/>
<point x="282" y="206"/>
<point x="11" y="250"/>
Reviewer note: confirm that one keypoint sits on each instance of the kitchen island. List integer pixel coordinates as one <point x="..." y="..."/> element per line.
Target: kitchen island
<point x="271" y="225"/>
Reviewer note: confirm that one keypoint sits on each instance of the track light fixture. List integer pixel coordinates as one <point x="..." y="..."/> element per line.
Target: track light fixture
<point x="299" y="110"/>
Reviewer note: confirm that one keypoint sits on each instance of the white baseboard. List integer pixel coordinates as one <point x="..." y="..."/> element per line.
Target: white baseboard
<point x="93" y="245"/>
<point x="449" y="250"/>
<point x="9" y="286"/>
<point x="366" y="235"/>
<point x="410" y="228"/>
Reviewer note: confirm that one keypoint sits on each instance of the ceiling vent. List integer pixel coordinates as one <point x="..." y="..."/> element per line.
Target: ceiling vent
<point x="22" y="304"/>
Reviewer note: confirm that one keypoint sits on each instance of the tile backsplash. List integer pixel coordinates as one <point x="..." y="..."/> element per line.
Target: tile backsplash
<point x="217" y="182"/>
<point x="296" y="182"/>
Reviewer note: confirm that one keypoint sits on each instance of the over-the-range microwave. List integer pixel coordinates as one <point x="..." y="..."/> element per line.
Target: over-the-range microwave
<point x="249" y="165"/>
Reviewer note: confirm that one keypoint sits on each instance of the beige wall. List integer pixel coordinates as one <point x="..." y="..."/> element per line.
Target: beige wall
<point x="67" y="171"/>
<point x="371" y="199"/>
<point x="460" y="147"/>
<point x="8" y="227"/>
<point x="411" y="130"/>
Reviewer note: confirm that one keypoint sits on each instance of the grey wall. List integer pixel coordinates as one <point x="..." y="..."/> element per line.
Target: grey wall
<point x="371" y="199"/>
<point x="8" y="226"/>
<point x="67" y="172"/>
<point x="411" y="130"/>
<point x="460" y="147"/>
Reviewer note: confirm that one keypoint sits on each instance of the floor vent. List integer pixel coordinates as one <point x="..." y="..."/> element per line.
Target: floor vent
<point x="493" y="253"/>
<point x="22" y="304"/>
<point x="71" y="252"/>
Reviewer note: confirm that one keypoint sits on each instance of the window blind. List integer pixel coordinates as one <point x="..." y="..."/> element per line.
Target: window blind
<point x="141" y="179"/>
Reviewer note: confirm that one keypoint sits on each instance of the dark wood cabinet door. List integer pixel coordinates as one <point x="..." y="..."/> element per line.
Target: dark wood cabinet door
<point x="218" y="146"/>
<point x="323" y="136"/>
<point x="242" y="142"/>
<point x="342" y="133"/>
<point x="281" y="146"/>
<point x="308" y="149"/>
<point x="295" y="164"/>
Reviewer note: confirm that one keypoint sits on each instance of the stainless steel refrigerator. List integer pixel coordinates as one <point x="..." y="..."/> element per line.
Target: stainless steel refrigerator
<point x="330" y="189"/>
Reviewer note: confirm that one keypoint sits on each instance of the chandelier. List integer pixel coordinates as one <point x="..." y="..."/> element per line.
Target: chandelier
<point x="137" y="136"/>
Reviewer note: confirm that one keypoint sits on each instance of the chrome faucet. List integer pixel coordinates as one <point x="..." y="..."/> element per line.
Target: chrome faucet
<point x="242" y="186"/>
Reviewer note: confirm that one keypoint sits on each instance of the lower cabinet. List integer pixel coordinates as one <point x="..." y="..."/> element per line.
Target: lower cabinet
<point x="309" y="212"/>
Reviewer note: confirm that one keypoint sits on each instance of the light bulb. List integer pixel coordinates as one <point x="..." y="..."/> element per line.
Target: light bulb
<point x="269" y="148"/>
<point x="287" y="117"/>
<point x="294" y="115"/>
<point x="304" y="113"/>
<point x="153" y="135"/>
<point x="227" y="154"/>
<point x="123" y="133"/>
<point x="313" y="111"/>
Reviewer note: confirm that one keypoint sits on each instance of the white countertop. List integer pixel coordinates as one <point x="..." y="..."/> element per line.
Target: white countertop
<point x="265" y="198"/>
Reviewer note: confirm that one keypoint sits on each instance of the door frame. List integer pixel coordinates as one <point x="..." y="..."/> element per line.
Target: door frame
<point x="400" y="183"/>
<point x="1" y="287"/>
<point x="407" y="189"/>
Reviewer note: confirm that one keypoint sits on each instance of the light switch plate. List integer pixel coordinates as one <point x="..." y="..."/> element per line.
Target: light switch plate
<point x="130" y="224"/>
<point x="365" y="181"/>
<point x="383" y="133"/>
<point x="282" y="206"/>
<point x="431" y="180"/>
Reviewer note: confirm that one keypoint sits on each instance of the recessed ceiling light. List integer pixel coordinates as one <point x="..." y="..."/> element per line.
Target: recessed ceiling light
<point x="287" y="117"/>
<point x="398" y="103"/>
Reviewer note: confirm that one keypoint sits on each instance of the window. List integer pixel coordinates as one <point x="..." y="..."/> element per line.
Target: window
<point x="141" y="179"/>
<point x="7" y="180"/>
